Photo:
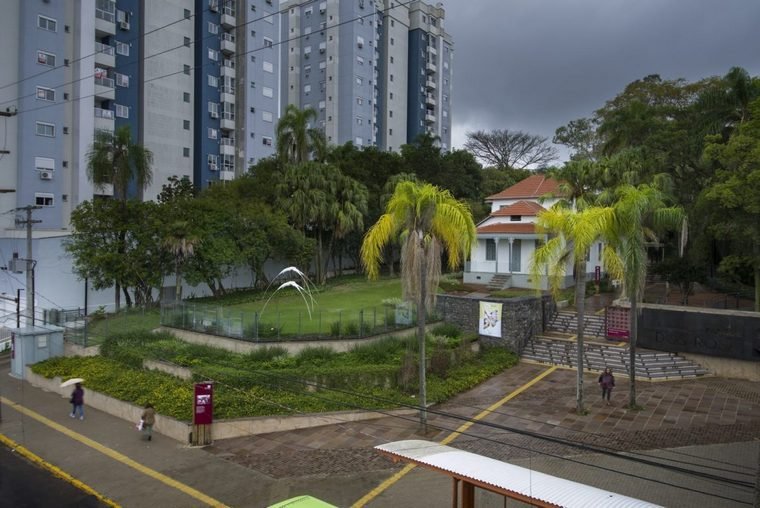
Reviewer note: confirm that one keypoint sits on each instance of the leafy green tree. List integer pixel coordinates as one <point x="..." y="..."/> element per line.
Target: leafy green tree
<point x="733" y="194"/>
<point x="572" y="233"/>
<point x="581" y="137"/>
<point x="426" y="220"/>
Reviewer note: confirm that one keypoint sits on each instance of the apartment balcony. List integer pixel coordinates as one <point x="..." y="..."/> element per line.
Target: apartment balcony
<point x="104" y="119"/>
<point x="432" y="50"/>
<point x="228" y="17"/>
<point x="228" y="68"/>
<point x="431" y="68"/>
<point x="430" y="100"/>
<point x="429" y="117"/>
<point x="105" y="55"/>
<point x="430" y="84"/>
<point x="226" y="175"/>
<point x="227" y="94"/>
<point x="227" y="122"/>
<point x="227" y="146"/>
<point x="105" y="20"/>
<point x="104" y="88"/>
<point x="228" y="44"/>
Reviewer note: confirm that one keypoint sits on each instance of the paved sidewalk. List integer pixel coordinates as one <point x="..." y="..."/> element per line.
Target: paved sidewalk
<point x="719" y="419"/>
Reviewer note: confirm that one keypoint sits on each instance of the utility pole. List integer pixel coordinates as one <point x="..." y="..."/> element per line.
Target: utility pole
<point x="30" y="262"/>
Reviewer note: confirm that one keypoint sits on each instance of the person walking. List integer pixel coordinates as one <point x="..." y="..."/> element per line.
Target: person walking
<point x="607" y="382"/>
<point x="77" y="401"/>
<point x="148" y="419"/>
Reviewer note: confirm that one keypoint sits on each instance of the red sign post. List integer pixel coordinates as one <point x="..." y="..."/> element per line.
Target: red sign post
<point x="203" y="414"/>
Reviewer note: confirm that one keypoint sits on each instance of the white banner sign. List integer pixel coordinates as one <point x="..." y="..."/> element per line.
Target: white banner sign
<point x="490" y="319"/>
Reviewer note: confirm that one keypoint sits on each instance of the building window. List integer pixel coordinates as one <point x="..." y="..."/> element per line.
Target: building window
<point x="213" y="109"/>
<point x="185" y="151"/>
<point x="360" y="60"/>
<point x="213" y="55"/>
<point x="43" y="199"/>
<point x="45" y="129"/>
<point x="213" y="28"/>
<point x="390" y="132"/>
<point x="391" y="59"/>
<point x="514" y="264"/>
<point x="359" y="120"/>
<point x="186" y="69"/>
<point x="45" y="58"/>
<point x="360" y="101"/>
<point x="390" y="113"/>
<point x="186" y="96"/>
<point x="45" y="94"/>
<point x="187" y="42"/>
<point x="46" y="23"/>
<point x="187" y="14"/>
<point x="360" y="42"/>
<point x="266" y="141"/>
<point x="122" y="80"/>
<point x="213" y="81"/>
<point x="213" y="162"/>
<point x="359" y="80"/>
<point x="267" y="92"/>
<point x="44" y="164"/>
<point x="391" y="95"/>
<point x="121" y="111"/>
<point x="186" y="124"/>
<point x="490" y="250"/>
<point x="358" y="141"/>
<point x="122" y="49"/>
<point x="391" y="78"/>
<point x="266" y="116"/>
<point x="267" y="66"/>
<point x="213" y="133"/>
<point x="306" y="89"/>
<point x="268" y="42"/>
<point x="392" y="41"/>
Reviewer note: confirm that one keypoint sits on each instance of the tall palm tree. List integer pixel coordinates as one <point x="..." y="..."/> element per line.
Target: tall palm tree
<point x="425" y="219"/>
<point x="181" y="242"/>
<point x="295" y="139"/>
<point x="572" y="234"/>
<point x="639" y="213"/>
<point x="114" y="159"/>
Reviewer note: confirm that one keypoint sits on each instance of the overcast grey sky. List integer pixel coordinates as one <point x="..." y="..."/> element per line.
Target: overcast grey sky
<point x="534" y="65"/>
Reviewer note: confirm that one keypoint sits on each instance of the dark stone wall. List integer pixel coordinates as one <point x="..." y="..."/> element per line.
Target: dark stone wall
<point x="522" y="317"/>
<point x="730" y="334"/>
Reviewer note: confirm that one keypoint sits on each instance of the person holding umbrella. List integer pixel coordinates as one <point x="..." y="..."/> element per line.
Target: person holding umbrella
<point x="77" y="401"/>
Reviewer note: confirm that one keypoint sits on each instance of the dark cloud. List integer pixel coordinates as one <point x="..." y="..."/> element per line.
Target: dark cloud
<point x="534" y="65"/>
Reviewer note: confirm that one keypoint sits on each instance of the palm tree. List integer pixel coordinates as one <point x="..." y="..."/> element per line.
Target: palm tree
<point x="572" y="233"/>
<point x="180" y="242"/>
<point x="114" y="159"/>
<point x="425" y="219"/>
<point x="639" y="213"/>
<point x="295" y="139"/>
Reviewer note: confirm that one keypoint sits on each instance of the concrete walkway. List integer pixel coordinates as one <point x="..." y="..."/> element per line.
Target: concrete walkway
<point x="711" y="425"/>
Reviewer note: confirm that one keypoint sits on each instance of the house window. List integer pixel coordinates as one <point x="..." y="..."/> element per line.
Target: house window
<point x="515" y="218"/>
<point x="490" y="250"/>
<point x="46" y="23"/>
<point x="514" y="263"/>
<point x="45" y="94"/>
<point x="45" y="58"/>
<point x="45" y="129"/>
<point x="43" y="199"/>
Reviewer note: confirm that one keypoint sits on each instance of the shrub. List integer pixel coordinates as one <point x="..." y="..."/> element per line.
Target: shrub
<point x="447" y="330"/>
<point x="319" y="354"/>
<point x="351" y="329"/>
<point x="335" y="329"/>
<point x="266" y="354"/>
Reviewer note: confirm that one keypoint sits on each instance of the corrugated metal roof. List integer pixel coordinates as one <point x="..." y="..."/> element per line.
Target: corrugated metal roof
<point x="507" y="478"/>
<point x="534" y="186"/>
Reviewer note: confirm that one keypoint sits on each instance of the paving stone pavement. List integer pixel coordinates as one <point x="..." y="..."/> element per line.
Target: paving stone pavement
<point x="675" y="413"/>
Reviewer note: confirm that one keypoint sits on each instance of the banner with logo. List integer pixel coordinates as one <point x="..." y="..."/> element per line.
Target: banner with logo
<point x="490" y="319"/>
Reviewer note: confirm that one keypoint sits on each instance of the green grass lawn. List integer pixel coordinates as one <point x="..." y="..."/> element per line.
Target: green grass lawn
<point x="341" y="300"/>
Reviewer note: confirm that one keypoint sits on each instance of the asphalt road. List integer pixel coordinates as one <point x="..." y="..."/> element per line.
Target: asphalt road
<point x="26" y="485"/>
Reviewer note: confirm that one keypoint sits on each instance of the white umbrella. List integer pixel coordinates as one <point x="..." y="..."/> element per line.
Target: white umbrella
<point x="72" y="381"/>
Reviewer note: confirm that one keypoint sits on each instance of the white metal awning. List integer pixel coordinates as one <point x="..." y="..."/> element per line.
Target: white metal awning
<point x="507" y="479"/>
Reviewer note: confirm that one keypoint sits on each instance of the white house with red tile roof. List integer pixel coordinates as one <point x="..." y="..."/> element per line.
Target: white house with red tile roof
<point x="507" y="238"/>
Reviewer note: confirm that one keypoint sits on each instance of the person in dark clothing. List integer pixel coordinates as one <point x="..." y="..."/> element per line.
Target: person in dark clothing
<point x="148" y="419"/>
<point x="607" y="382"/>
<point x="77" y="401"/>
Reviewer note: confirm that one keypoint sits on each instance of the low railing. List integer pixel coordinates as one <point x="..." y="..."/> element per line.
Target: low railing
<point x="103" y="113"/>
<point x="107" y="82"/>
<point x="105" y="48"/>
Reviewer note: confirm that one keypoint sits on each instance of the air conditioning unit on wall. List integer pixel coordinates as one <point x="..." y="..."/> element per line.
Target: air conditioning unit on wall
<point x="124" y="25"/>
<point x="46" y="175"/>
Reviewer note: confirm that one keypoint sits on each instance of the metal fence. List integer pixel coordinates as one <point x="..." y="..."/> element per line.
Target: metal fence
<point x="277" y="325"/>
